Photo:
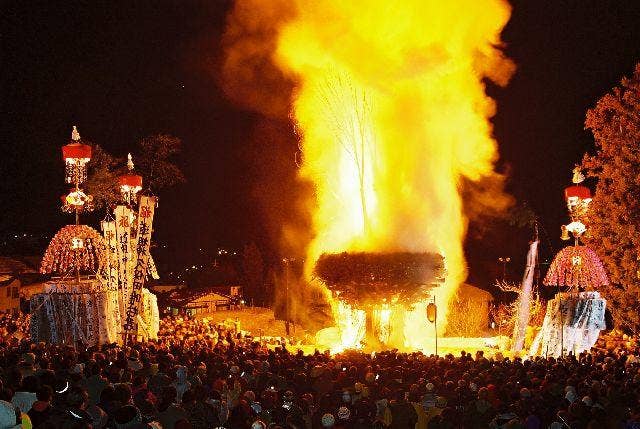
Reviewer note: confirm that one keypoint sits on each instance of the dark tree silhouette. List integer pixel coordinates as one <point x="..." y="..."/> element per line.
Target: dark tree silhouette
<point x="152" y="159"/>
<point x="102" y="177"/>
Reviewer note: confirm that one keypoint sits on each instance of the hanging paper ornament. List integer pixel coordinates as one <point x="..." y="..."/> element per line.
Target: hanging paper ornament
<point x="576" y="267"/>
<point x="77" y="201"/>
<point x="74" y="247"/>
<point x="576" y="228"/>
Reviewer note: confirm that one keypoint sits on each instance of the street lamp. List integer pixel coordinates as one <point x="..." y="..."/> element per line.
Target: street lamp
<point x="432" y="316"/>
<point x="504" y="261"/>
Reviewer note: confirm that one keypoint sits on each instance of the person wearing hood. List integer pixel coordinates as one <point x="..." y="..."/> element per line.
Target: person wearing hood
<point x="201" y="414"/>
<point x="74" y="413"/>
<point x="169" y="412"/>
<point x="403" y="415"/>
<point x="95" y="383"/>
<point x="181" y="384"/>
<point x="383" y="413"/>
<point x="41" y="410"/>
<point x="570" y="394"/>
<point x="129" y="417"/>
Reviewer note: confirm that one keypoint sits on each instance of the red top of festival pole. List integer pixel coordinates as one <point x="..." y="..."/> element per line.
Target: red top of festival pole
<point x="577" y="191"/>
<point x="131" y="180"/>
<point x="76" y="150"/>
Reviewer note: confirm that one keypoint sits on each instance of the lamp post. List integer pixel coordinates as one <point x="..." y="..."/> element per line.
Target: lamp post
<point x="286" y="291"/>
<point x="504" y="261"/>
<point x="432" y="316"/>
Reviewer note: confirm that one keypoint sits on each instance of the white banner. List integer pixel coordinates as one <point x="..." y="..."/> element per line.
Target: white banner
<point x="111" y="267"/>
<point x="111" y="274"/>
<point x="123" y="237"/>
<point x="572" y="324"/>
<point x="143" y="242"/>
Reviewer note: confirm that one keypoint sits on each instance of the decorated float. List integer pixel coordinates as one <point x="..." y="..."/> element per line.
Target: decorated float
<point x="576" y="315"/>
<point x="96" y="293"/>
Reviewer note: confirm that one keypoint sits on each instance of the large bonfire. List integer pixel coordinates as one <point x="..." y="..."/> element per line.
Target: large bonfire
<point x="393" y="117"/>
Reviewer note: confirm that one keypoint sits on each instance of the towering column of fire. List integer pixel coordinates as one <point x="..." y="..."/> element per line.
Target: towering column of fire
<point x="394" y="114"/>
<point x="391" y="104"/>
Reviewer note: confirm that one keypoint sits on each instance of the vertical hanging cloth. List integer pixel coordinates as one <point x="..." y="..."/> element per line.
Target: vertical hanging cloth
<point x="111" y="275"/>
<point x="123" y="237"/>
<point x="524" y="304"/>
<point x="143" y="242"/>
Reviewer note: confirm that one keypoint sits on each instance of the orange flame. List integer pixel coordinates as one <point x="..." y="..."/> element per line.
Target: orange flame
<point x="393" y="115"/>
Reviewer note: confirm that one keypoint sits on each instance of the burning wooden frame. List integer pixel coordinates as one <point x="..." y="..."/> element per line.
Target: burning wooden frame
<point x="361" y="279"/>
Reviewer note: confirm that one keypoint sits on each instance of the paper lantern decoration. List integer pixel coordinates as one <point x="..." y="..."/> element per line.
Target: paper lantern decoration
<point x="77" y="201"/>
<point x="130" y="183"/>
<point x="432" y="312"/>
<point x="576" y="267"/>
<point x="74" y="247"/>
<point x="76" y="155"/>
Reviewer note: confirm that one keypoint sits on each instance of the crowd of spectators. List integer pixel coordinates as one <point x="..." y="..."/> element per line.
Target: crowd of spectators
<point x="201" y="375"/>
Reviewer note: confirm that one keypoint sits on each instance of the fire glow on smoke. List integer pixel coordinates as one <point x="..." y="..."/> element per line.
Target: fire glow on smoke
<point x="393" y="115"/>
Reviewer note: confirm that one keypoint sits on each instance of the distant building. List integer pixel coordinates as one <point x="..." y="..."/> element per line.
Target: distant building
<point x="15" y="275"/>
<point x="166" y="288"/>
<point x="469" y="312"/>
<point x="196" y="301"/>
<point x="10" y="295"/>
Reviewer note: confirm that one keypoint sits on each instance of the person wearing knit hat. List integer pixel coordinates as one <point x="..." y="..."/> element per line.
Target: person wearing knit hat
<point x="343" y="413"/>
<point x="328" y="421"/>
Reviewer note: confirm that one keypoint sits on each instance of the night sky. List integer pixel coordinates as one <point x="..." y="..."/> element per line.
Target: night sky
<point x="124" y="70"/>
